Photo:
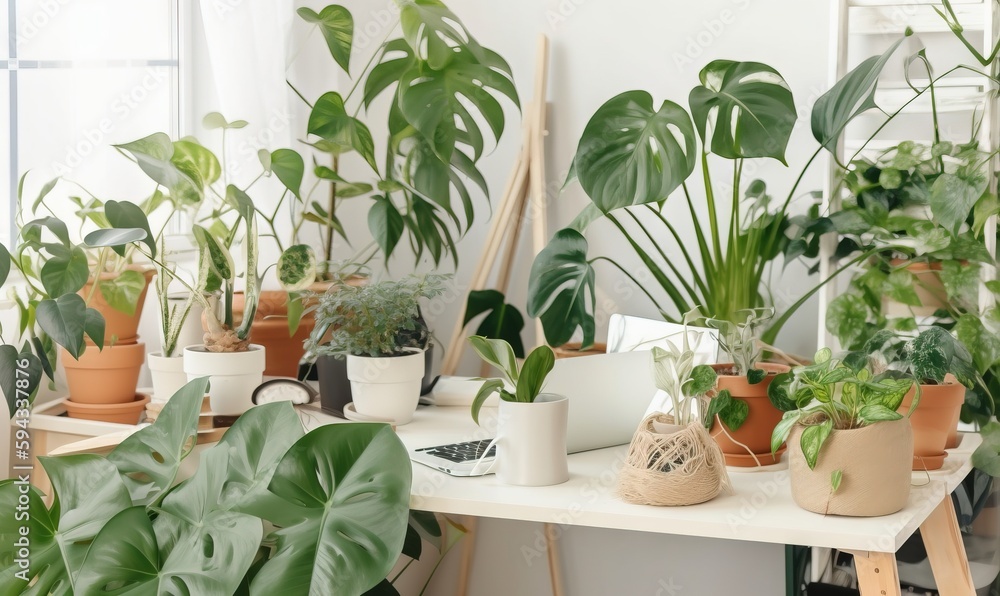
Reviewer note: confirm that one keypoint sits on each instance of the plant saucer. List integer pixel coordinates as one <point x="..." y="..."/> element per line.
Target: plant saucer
<point x="351" y="413"/>
<point x="929" y="463"/>
<point x="747" y="463"/>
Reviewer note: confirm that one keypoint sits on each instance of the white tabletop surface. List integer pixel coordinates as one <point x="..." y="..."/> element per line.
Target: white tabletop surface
<point x="760" y="509"/>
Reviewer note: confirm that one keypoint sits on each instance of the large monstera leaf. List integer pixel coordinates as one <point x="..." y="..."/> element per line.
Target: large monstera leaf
<point x="433" y="32"/>
<point x="129" y="557"/>
<point x="434" y="101"/>
<point x="632" y="153"/>
<point x="749" y="107"/>
<point x="88" y="493"/>
<point x="561" y="289"/>
<point x="349" y="487"/>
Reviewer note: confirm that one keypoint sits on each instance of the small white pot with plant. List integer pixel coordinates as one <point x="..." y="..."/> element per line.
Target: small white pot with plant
<point x="672" y="460"/>
<point x="531" y="425"/>
<point x="379" y="329"/>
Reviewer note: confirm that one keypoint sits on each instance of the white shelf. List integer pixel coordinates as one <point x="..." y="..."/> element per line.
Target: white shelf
<point x="880" y="19"/>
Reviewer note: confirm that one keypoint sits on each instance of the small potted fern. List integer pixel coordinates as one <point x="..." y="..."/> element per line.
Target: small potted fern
<point x="745" y="435"/>
<point x="378" y="328"/>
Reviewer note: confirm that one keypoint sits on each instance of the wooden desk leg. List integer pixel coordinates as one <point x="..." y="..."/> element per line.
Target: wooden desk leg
<point x="946" y="551"/>
<point x="468" y="551"/>
<point x="555" y="567"/>
<point x="877" y="573"/>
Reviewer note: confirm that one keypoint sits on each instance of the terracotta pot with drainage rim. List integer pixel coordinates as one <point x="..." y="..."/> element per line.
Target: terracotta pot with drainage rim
<point x="107" y="376"/>
<point x="934" y="421"/>
<point x="750" y="445"/>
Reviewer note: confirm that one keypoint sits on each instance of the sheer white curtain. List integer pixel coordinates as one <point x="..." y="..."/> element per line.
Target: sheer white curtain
<point x="246" y="45"/>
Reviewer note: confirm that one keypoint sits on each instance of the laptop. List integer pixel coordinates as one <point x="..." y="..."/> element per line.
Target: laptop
<point x="608" y="396"/>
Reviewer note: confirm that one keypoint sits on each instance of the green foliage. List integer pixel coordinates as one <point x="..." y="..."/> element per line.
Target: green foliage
<point x="502" y="320"/>
<point x="297" y="267"/>
<point x="527" y="381"/>
<point x="334" y="503"/>
<point x="377" y="319"/>
<point x="834" y="394"/>
<point x="445" y="86"/>
<point x="561" y="289"/>
<point x="741" y="339"/>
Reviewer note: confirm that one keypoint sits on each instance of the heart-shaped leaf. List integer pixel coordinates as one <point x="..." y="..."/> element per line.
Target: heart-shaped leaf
<point x="64" y="320"/>
<point x="337" y="25"/>
<point x="20" y="374"/>
<point x="297" y="267"/>
<point x="750" y="109"/>
<point x="65" y="271"/>
<point x="353" y="481"/>
<point x="330" y="121"/>
<point x="502" y="320"/>
<point x="631" y="153"/>
<point x="561" y="289"/>
<point x="812" y="441"/>
<point x="124" y="215"/>
<point x="289" y="167"/>
<point x="954" y="195"/>
<point x="122" y="292"/>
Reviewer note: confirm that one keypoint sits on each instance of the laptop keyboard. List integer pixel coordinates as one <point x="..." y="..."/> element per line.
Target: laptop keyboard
<point x="462" y="452"/>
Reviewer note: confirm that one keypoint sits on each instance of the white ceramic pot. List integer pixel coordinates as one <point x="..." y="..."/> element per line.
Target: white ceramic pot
<point x="168" y="375"/>
<point x="191" y="332"/>
<point x="232" y="375"/>
<point x="531" y="441"/>
<point x="386" y="388"/>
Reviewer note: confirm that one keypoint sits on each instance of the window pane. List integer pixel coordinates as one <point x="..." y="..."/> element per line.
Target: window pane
<point x="94" y="29"/>
<point x="6" y="184"/>
<point x="69" y="118"/>
<point x="4" y="39"/>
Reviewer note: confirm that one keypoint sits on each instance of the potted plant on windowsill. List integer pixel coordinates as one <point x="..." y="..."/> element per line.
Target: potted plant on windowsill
<point x="672" y="460"/>
<point x="850" y="450"/>
<point x="377" y="327"/>
<point x="531" y="425"/>
<point x="745" y="434"/>
<point x="944" y="369"/>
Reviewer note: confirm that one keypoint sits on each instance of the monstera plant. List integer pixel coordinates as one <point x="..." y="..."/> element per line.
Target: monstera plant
<point x="634" y="154"/>
<point x="444" y="85"/>
<point x="270" y="510"/>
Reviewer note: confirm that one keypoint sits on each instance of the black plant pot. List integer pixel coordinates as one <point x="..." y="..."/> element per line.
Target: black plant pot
<point x="335" y="387"/>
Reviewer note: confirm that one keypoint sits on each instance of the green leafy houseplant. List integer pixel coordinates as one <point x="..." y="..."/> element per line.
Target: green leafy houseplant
<point x="270" y="509"/>
<point x="834" y="394"/>
<point x="378" y="319"/>
<point x="525" y="382"/>
<point x="443" y="84"/>
<point x="633" y="156"/>
<point x="928" y="357"/>
<point x="740" y="340"/>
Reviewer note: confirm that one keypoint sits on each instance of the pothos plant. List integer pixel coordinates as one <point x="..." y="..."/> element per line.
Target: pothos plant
<point x="271" y="509"/>
<point x="741" y="341"/>
<point x="518" y="384"/>
<point x="835" y="394"/>
<point x="634" y="155"/>
<point x="689" y="387"/>
<point x="443" y="84"/>
<point x="929" y="356"/>
<point x="52" y="270"/>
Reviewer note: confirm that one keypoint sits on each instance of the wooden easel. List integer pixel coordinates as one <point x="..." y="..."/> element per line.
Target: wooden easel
<point x="523" y="198"/>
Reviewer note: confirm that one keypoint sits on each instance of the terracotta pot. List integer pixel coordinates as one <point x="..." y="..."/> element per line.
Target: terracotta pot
<point x="107" y="376"/>
<point x="875" y="465"/>
<point x="935" y="418"/>
<point x="126" y="413"/>
<point x="928" y="286"/>
<point x="572" y="350"/>
<point x="119" y="328"/>
<point x="751" y="443"/>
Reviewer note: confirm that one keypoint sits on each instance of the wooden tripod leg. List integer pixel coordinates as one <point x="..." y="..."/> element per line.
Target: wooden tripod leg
<point x="468" y="550"/>
<point x="946" y="551"/>
<point x="877" y="573"/>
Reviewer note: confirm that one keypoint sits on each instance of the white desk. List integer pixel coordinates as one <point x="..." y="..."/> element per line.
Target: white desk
<point x="761" y="508"/>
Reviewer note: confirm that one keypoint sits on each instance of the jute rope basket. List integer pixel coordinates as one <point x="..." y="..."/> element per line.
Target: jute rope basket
<point x="684" y="467"/>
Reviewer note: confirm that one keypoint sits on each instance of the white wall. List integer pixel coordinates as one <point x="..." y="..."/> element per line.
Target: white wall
<point x="601" y="48"/>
